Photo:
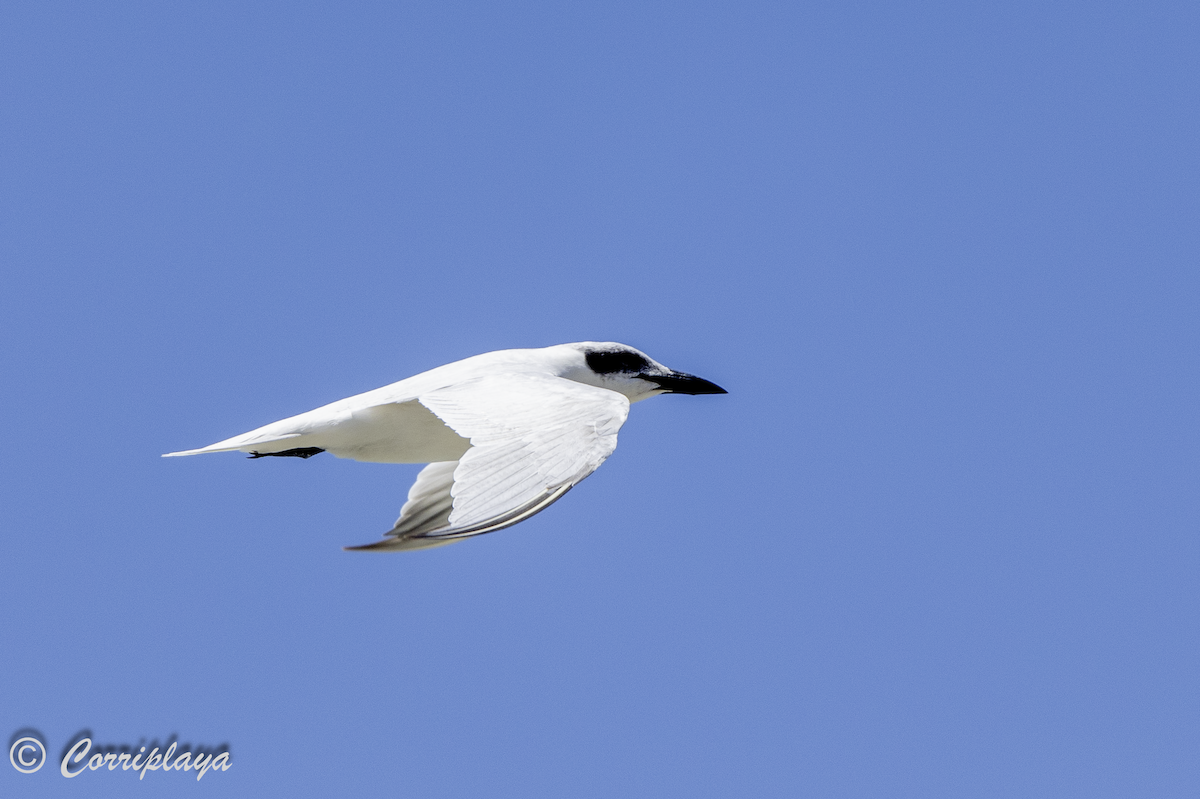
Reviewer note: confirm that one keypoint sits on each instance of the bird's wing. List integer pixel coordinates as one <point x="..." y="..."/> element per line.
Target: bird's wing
<point x="429" y="501"/>
<point x="532" y="437"/>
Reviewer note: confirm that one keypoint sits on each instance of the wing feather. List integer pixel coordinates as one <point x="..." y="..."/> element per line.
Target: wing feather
<point x="429" y="500"/>
<point x="533" y="437"/>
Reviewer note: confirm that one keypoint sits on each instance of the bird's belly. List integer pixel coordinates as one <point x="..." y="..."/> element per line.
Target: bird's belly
<point x="399" y="433"/>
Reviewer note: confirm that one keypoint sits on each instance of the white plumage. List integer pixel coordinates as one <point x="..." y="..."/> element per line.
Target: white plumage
<point x="505" y="433"/>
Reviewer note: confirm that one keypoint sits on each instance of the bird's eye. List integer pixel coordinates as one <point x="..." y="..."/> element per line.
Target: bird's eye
<point x="613" y="361"/>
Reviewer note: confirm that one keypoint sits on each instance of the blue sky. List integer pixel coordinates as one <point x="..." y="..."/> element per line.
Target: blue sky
<point x="940" y="539"/>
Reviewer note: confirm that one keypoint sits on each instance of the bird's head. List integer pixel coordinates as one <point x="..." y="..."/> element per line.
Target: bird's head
<point x="623" y="369"/>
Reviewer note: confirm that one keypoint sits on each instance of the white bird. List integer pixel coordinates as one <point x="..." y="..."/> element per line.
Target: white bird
<point x="505" y="433"/>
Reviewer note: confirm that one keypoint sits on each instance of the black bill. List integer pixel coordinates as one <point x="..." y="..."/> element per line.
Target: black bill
<point x="683" y="383"/>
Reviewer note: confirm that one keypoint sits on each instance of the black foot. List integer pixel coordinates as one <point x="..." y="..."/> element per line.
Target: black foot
<point x="299" y="452"/>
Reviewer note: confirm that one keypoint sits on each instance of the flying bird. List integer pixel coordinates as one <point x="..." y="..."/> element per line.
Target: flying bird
<point x="505" y="433"/>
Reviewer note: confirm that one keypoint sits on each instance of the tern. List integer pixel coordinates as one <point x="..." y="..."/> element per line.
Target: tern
<point x="505" y="433"/>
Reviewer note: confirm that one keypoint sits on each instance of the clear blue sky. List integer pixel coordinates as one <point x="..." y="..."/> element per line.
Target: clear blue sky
<point x="940" y="539"/>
